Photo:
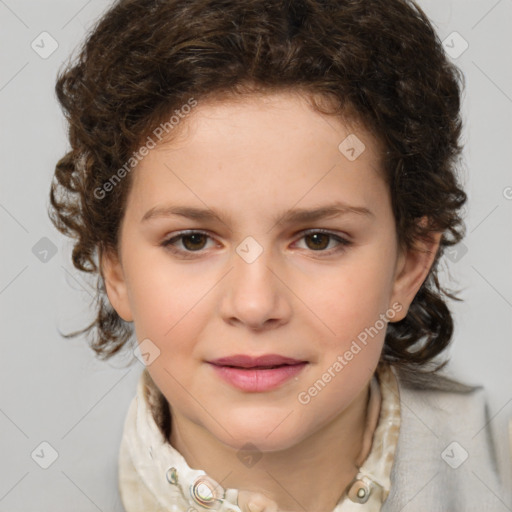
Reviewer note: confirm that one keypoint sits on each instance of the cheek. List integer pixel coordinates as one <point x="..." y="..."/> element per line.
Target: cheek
<point x="349" y="298"/>
<point x="165" y="300"/>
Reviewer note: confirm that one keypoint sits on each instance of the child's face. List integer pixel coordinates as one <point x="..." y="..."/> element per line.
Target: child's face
<point x="304" y="297"/>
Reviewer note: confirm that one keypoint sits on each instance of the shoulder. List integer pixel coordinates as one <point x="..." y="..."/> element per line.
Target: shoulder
<point x="443" y="396"/>
<point x="446" y="453"/>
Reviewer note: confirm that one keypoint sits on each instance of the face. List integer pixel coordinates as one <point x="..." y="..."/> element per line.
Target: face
<point x="258" y="272"/>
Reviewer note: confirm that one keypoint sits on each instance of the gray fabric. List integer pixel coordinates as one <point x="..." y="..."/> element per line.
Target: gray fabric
<point x="422" y="479"/>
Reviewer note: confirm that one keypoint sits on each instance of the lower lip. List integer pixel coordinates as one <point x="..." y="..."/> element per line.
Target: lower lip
<point x="258" y="380"/>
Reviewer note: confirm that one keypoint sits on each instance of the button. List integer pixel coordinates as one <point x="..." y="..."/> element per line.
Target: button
<point x="206" y="492"/>
<point x="360" y="490"/>
<point x="172" y="475"/>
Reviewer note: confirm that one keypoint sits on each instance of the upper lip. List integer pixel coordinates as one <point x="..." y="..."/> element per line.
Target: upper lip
<point x="245" y="361"/>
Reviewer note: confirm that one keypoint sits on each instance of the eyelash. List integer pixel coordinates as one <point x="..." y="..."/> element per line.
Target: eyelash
<point x="169" y="243"/>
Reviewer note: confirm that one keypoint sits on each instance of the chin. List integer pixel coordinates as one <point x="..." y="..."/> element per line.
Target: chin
<point x="265" y="436"/>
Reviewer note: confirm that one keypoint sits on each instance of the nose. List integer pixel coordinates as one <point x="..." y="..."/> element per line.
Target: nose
<point x="254" y="294"/>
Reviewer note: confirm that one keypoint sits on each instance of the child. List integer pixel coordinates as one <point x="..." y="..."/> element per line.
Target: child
<point x="281" y="373"/>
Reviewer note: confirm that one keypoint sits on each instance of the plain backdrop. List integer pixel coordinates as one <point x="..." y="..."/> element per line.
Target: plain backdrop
<point x="54" y="391"/>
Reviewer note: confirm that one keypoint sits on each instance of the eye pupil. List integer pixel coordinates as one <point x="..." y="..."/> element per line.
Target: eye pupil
<point x="194" y="237"/>
<point x="315" y="237"/>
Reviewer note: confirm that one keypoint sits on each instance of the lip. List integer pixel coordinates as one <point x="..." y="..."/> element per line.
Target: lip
<point x="251" y="374"/>
<point x="245" y="361"/>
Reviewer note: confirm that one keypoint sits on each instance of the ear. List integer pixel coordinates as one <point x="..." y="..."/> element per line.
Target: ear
<point x="412" y="268"/>
<point x="115" y="284"/>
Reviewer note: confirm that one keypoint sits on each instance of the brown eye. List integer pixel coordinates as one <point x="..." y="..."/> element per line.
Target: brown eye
<point x="319" y="241"/>
<point x="191" y="242"/>
<point x="194" y="242"/>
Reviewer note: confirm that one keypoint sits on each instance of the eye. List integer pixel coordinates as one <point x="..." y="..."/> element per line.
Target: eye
<point x="194" y="242"/>
<point x="318" y="240"/>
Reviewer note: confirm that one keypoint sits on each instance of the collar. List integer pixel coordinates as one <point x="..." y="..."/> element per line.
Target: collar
<point x="152" y="471"/>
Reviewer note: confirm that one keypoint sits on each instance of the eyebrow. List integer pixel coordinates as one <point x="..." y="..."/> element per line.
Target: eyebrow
<point x="296" y="215"/>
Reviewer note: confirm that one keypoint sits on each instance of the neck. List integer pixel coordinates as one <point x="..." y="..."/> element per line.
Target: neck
<point x="311" y="475"/>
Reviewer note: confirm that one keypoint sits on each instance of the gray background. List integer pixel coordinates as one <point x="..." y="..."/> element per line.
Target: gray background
<point x="54" y="390"/>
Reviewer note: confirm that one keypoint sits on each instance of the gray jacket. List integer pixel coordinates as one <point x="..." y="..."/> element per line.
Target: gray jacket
<point x="450" y="456"/>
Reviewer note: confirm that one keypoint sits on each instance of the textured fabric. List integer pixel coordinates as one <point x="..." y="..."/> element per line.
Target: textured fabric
<point x="413" y="462"/>
<point x="446" y="456"/>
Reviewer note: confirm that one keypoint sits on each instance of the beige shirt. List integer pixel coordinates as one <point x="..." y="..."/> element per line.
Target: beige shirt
<point x="154" y="476"/>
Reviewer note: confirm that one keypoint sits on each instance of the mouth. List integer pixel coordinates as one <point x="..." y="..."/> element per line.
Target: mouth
<point x="267" y="361"/>
<point x="257" y="367"/>
<point x="257" y="374"/>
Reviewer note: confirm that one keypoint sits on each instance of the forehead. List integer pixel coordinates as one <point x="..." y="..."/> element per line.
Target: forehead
<point x="275" y="145"/>
<point x="270" y="110"/>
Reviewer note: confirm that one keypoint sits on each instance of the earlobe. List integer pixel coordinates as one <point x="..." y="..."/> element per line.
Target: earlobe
<point x="115" y="284"/>
<point x="413" y="266"/>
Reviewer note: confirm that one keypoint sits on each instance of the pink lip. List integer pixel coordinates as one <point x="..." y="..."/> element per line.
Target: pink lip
<point x="244" y="361"/>
<point x="249" y="373"/>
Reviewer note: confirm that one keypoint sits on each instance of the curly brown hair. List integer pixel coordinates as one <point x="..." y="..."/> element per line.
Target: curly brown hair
<point x="380" y="62"/>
